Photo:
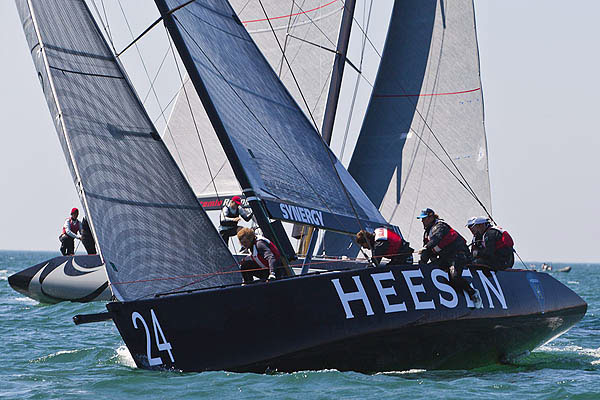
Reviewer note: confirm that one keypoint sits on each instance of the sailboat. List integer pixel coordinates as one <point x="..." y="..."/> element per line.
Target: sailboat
<point x="305" y="30"/>
<point x="179" y="299"/>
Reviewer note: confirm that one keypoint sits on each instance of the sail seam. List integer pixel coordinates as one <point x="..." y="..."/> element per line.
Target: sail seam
<point x="68" y="71"/>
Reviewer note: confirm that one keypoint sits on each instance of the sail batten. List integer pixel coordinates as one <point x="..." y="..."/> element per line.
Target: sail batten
<point x="273" y="148"/>
<point x="146" y="219"/>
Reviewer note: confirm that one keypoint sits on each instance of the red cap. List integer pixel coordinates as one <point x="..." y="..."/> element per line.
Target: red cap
<point x="74" y="210"/>
<point x="237" y="200"/>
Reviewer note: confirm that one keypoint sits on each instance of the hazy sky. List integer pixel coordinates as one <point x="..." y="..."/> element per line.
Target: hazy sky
<point x="539" y="67"/>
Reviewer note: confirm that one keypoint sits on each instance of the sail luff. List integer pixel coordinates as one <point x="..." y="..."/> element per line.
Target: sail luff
<point x="79" y="185"/>
<point x="147" y="221"/>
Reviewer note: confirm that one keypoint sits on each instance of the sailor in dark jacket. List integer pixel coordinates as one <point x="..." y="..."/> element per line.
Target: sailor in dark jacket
<point x="264" y="260"/>
<point x="446" y="247"/>
<point x="477" y="241"/>
<point x="230" y="215"/>
<point x="386" y="243"/>
<point x="496" y="246"/>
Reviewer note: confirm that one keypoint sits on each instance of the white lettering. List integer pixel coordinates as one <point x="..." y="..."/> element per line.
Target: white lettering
<point x="320" y="215"/>
<point x="296" y="213"/>
<point x="496" y="289"/>
<point x="388" y="291"/>
<point x="467" y="272"/>
<point x="415" y="289"/>
<point x="435" y="274"/>
<point x="284" y="211"/>
<point x="314" y="218"/>
<point x="346" y="298"/>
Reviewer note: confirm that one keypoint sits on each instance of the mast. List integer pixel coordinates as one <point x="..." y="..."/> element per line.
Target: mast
<point x="338" y="71"/>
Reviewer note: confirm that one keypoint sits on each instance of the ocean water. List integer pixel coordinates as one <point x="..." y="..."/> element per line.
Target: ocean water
<point x="45" y="356"/>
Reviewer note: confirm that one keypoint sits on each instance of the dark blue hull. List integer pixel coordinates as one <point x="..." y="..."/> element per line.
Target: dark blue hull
<point x="367" y="319"/>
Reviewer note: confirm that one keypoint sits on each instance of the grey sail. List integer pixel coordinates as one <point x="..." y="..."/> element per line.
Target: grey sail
<point x="302" y="28"/>
<point x="428" y="84"/>
<point x="152" y="233"/>
<point x="278" y="152"/>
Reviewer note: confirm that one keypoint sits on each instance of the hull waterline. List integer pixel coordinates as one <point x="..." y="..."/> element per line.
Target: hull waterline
<point x="366" y="320"/>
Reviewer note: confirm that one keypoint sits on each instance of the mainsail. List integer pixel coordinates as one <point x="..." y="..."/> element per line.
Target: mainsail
<point x="152" y="232"/>
<point x="275" y="149"/>
<point x="308" y="32"/>
<point x="427" y="101"/>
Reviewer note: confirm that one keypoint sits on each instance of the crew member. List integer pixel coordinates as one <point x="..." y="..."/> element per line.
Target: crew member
<point x="448" y="248"/>
<point x="476" y="242"/>
<point x="386" y="243"/>
<point x="87" y="238"/>
<point x="70" y="232"/>
<point x="264" y="260"/>
<point x="230" y="216"/>
<point x="496" y="248"/>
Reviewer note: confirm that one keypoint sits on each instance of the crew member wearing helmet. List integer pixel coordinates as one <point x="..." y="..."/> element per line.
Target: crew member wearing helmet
<point x="230" y="215"/>
<point x="70" y="232"/>
<point x="496" y="245"/>
<point x="386" y="243"/>
<point x="477" y="241"/>
<point x="446" y="247"/>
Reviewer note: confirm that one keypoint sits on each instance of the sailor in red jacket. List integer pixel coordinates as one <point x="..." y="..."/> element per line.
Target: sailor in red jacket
<point x="386" y="243"/>
<point x="446" y="247"/>
<point x="264" y="260"/>
<point x="496" y="246"/>
<point x="70" y="232"/>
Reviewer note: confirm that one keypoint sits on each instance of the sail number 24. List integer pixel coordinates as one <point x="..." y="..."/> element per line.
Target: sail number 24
<point x="161" y="342"/>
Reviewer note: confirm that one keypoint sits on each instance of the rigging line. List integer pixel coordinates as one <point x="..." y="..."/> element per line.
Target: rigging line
<point x="167" y="106"/>
<point x="290" y="68"/>
<point x="302" y="12"/>
<point x="258" y="120"/>
<point x="187" y="99"/>
<point x="108" y="26"/>
<point x="152" y="86"/>
<point x="156" y="76"/>
<point x="104" y="27"/>
<point x="287" y="32"/>
<point x="327" y="150"/>
<point x="148" y="29"/>
<point x="356" y="85"/>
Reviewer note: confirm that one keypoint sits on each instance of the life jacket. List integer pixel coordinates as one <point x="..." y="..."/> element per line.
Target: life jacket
<point x="505" y="240"/>
<point x="259" y="259"/>
<point x="449" y="238"/>
<point x="73" y="226"/>
<point x="229" y="213"/>
<point x="395" y="240"/>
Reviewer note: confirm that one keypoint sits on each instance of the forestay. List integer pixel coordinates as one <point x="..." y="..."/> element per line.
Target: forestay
<point x="304" y="30"/>
<point x="428" y="81"/>
<point x="152" y="233"/>
<point x="259" y="124"/>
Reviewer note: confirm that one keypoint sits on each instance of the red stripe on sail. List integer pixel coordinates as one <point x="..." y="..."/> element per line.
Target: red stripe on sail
<point x="290" y="15"/>
<point x="425" y="94"/>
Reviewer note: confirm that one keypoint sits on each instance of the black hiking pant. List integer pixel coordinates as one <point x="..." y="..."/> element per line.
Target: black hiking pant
<point x="67" y="245"/>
